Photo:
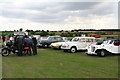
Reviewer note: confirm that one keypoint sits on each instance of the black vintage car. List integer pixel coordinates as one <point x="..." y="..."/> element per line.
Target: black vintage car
<point x="51" y="39"/>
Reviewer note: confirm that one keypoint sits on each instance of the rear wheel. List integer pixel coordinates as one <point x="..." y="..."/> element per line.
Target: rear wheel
<point x="5" y="52"/>
<point x="73" y="50"/>
<point x="45" y="45"/>
<point x="101" y="53"/>
<point x="59" y="48"/>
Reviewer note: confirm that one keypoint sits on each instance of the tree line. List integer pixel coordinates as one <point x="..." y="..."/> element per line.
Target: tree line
<point x="66" y="33"/>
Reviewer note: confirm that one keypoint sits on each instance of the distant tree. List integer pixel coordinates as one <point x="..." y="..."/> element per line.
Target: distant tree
<point x="72" y="30"/>
<point x="31" y="31"/>
<point x="43" y="31"/>
<point x="66" y="31"/>
<point x="52" y="34"/>
<point x="47" y="30"/>
<point x="37" y="31"/>
<point x="27" y="30"/>
<point x="61" y="31"/>
<point x="20" y="29"/>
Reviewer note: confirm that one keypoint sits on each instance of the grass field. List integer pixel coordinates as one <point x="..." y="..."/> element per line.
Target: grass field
<point x="0" y="42"/>
<point x="51" y="63"/>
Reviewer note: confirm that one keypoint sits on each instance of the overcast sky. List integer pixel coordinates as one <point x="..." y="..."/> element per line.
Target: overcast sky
<point x="37" y="15"/>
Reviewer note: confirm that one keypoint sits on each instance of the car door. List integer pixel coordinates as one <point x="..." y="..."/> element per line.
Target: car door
<point x="57" y="39"/>
<point x="115" y="47"/>
<point x="53" y="39"/>
<point x="81" y="43"/>
<point x="108" y="45"/>
<point x="90" y="41"/>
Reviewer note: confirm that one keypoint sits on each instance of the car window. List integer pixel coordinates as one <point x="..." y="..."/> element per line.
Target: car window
<point x="82" y="39"/>
<point x="50" y="38"/>
<point x="105" y="42"/>
<point x="58" y="38"/>
<point x="90" y="40"/>
<point x="75" y="39"/>
<point x="108" y="42"/>
<point x="111" y="41"/>
<point x="43" y="37"/>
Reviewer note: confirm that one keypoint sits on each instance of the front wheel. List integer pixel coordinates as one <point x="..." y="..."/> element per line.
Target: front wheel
<point x="101" y="53"/>
<point x="5" y="52"/>
<point x="73" y="50"/>
<point x="45" y="45"/>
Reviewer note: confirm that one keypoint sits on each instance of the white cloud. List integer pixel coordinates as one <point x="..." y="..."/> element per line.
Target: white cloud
<point x="58" y="15"/>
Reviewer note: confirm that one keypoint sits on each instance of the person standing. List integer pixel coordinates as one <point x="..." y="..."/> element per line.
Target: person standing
<point x="3" y="39"/>
<point x="20" y="40"/>
<point x="29" y="43"/>
<point x="35" y="44"/>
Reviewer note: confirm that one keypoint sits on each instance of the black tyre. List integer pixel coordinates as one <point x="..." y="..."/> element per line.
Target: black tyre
<point x="45" y="45"/>
<point x="59" y="48"/>
<point x="5" y="52"/>
<point x="39" y="46"/>
<point x="101" y="53"/>
<point x="65" y="50"/>
<point x="73" y="50"/>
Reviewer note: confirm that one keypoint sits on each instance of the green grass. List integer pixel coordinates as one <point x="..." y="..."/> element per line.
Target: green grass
<point x="1" y="42"/>
<point x="51" y="63"/>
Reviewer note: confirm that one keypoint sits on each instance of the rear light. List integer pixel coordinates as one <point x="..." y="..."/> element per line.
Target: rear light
<point x="117" y="44"/>
<point x="26" y="47"/>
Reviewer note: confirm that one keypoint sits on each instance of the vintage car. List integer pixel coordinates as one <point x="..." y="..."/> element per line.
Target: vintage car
<point x="41" y="39"/>
<point x="37" y="37"/>
<point x="78" y="43"/>
<point x="107" y="47"/>
<point x="51" y="39"/>
<point x="57" y="45"/>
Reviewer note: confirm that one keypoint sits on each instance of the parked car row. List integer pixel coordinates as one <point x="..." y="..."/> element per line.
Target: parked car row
<point x="51" y="39"/>
<point x="92" y="45"/>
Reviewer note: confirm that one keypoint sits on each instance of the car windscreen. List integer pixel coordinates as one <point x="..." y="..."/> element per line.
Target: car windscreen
<point x="108" y="42"/>
<point x="50" y="38"/>
<point x="75" y="39"/>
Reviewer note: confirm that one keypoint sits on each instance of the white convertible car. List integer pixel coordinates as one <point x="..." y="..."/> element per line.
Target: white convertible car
<point x="107" y="47"/>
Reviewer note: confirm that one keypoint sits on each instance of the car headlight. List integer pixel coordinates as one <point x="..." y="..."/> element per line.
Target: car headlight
<point x="66" y="45"/>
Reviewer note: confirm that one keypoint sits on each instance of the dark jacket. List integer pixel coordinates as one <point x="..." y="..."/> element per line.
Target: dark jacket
<point x="34" y="41"/>
<point x="3" y="38"/>
<point x="28" y="42"/>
